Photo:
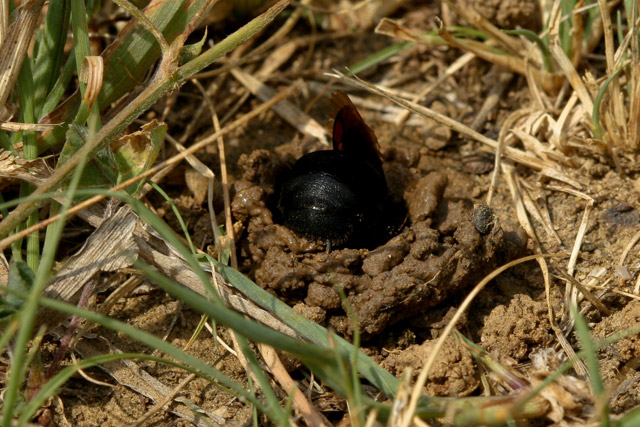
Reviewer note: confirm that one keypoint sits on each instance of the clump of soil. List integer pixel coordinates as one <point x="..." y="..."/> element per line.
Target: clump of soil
<point x="516" y="329"/>
<point x="442" y="249"/>
<point x="454" y="371"/>
<point x="509" y="14"/>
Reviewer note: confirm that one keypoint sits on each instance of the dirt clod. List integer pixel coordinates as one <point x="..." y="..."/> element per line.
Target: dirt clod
<point x="516" y="329"/>
<point x="509" y="13"/>
<point x="453" y="373"/>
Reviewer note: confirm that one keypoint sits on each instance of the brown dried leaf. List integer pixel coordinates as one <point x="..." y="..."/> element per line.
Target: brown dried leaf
<point x="14" y="168"/>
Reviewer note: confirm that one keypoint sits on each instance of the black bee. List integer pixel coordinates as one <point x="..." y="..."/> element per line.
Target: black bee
<point x="339" y="196"/>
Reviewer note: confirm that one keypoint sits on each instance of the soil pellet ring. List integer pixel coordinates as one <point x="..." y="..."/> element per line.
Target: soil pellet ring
<point x="408" y="256"/>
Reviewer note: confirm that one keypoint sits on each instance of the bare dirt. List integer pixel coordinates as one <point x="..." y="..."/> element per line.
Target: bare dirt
<point x="405" y="291"/>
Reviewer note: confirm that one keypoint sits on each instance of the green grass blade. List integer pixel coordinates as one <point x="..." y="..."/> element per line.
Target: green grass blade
<point x="27" y="314"/>
<point x="379" y="57"/>
<point x="278" y="414"/>
<point x="630" y="419"/>
<point x="591" y="359"/>
<point x="176" y="212"/>
<point x="25" y="88"/>
<point x="82" y="49"/>
<point x="542" y="45"/>
<point x="633" y="330"/>
<point x="122" y="71"/>
<point x="152" y="93"/>
<point x="197" y="365"/>
<point x="379" y="377"/>
<point x="595" y="115"/>
<point x="59" y="87"/>
<point x="565" y="33"/>
<point x="50" y="52"/>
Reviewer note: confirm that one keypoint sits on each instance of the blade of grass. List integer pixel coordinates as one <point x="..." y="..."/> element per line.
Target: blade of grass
<point x="14" y="48"/>
<point x="49" y="389"/>
<point x="630" y="419"/>
<point x="564" y="33"/>
<point x="81" y="50"/>
<point x="542" y="45"/>
<point x="59" y="87"/>
<point x="379" y="377"/>
<point x="279" y="415"/>
<point x="379" y="56"/>
<point x="176" y="212"/>
<point x="191" y="363"/>
<point x="26" y="94"/>
<point x="566" y="366"/>
<point x="591" y="358"/>
<point x="123" y="72"/>
<point x="595" y="116"/>
<point x="48" y="57"/>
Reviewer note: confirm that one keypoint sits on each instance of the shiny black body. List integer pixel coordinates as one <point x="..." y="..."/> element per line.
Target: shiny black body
<point x="339" y="196"/>
<point x="334" y="197"/>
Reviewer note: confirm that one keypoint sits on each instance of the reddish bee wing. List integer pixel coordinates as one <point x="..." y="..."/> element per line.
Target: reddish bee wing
<point x="352" y="135"/>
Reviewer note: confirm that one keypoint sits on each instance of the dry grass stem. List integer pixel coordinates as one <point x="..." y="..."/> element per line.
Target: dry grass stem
<point x="456" y="66"/>
<point x="91" y="74"/>
<point x="308" y="412"/>
<point x="519" y="156"/>
<point x="4" y="243"/>
<point x="148" y="25"/>
<point x="20" y="127"/>
<point x="289" y="112"/>
<point x="627" y="249"/>
<point x="583" y="289"/>
<point x="14" y="46"/>
<point x="159" y="406"/>
<point x="225" y="184"/>
<point x="516" y="194"/>
<point x="510" y="44"/>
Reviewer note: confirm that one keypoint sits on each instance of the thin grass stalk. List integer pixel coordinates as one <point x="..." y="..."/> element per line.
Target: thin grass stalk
<point x="26" y="92"/>
<point x="176" y="212"/>
<point x="595" y="116"/>
<point x="28" y="312"/>
<point x="14" y="47"/>
<point x="424" y="374"/>
<point x="5" y="13"/>
<point x="59" y="87"/>
<point x="279" y="416"/>
<point x="615" y="103"/>
<point x="565" y="33"/>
